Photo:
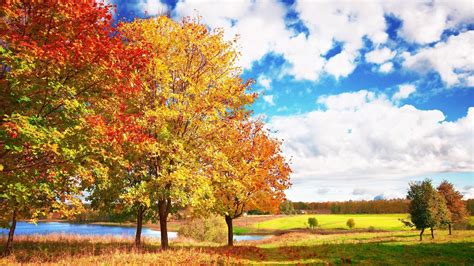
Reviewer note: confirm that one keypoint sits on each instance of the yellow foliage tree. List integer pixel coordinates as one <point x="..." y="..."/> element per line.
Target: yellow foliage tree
<point x="190" y="85"/>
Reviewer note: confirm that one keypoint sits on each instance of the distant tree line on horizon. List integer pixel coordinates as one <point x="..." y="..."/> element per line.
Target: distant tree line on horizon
<point x="346" y="207"/>
<point x="385" y="206"/>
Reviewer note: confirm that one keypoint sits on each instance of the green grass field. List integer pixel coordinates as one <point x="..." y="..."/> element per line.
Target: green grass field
<point x="336" y="221"/>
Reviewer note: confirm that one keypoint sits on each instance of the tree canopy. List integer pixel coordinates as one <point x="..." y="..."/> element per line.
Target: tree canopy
<point x="456" y="206"/>
<point x="147" y="117"/>
<point x="427" y="207"/>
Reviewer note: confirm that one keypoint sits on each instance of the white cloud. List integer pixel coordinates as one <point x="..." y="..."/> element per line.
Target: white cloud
<point x="260" y="24"/>
<point x="468" y="193"/>
<point x="470" y="81"/>
<point x="341" y="21"/>
<point x="360" y="191"/>
<point x="424" y="22"/>
<point x="403" y="92"/>
<point x="386" y="67"/>
<point x="262" y="27"/>
<point x="380" y="56"/>
<point x="269" y="99"/>
<point x="365" y="137"/>
<point x="453" y="59"/>
<point x="264" y="81"/>
<point x="341" y="65"/>
<point x="152" y="7"/>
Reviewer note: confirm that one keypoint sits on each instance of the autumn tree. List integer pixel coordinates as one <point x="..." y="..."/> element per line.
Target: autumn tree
<point x="427" y="207"/>
<point x="454" y="202"/>
<point x="56" y="62"/>
<point x="189" y="85"/>
<point x="251" y="173"/>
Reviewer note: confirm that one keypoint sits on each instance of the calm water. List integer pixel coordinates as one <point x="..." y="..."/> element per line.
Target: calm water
<point x="44" y="228"/>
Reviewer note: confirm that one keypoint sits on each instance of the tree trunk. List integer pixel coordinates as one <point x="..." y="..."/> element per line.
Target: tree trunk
<point x="449" y="226"/>
<point x="421" y="233"/>
<point x="432" y="233"/>
<point x="138" y="234"/>
<point x="8" y="246"/>
<point x="230" y="231"/>
<point x="163" y="211"/>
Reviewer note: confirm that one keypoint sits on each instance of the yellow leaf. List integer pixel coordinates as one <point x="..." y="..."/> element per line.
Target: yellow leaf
<point x="1" y="167"/>
<point x="54" y="148"/>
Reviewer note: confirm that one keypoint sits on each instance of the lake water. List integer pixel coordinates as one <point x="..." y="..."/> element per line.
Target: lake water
<point x="45" y="228"/>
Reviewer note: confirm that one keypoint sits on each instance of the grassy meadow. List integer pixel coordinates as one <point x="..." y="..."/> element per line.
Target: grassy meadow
<point x="336" y="221"/>
<point x="399" y="248"/>
<point x="326" y="245"/>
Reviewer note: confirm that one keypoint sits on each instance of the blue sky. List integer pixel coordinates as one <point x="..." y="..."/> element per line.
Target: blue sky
<point x="367" y="96"/>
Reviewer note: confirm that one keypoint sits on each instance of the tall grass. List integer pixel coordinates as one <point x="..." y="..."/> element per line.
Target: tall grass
<point x="401" y="248"/>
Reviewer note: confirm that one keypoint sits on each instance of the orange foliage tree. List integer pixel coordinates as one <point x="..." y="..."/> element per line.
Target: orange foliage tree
<point x="251" y="173"/>
<point x="57" y="62"/>
<point x="454" y="202"/>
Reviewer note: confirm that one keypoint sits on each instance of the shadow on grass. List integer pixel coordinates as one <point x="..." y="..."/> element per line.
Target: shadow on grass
<point x="384" y="252"/>
<point x="367" y="253"/>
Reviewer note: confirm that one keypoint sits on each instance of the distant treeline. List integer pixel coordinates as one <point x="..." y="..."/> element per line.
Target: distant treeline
<point x="350" y="207"/>
<point x="470" y="206"/>
<point x="371" y="206"/>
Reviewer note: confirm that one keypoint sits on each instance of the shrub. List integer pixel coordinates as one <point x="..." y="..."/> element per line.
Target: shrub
<point x="211" y="229"/>
<point x="350" y="223"/>
<point x="371" y="229"/>
<point x="312" y="222"/>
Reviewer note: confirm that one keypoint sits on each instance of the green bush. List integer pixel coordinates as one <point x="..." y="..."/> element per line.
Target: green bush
<point x="312" y="222"/>
<point x="371" y="229"/>
<point x="211" y="229"/>
<point x="350" y="223"/>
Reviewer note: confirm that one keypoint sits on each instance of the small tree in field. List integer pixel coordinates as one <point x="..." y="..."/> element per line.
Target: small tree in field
<point x="456" y="206"/>
<point x="427" y="207"/>
<point x="312" y="222"/>
<point x="350" y="223"/>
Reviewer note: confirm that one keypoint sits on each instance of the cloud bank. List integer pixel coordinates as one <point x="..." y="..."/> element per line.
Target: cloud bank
<point x="366" y="136"/>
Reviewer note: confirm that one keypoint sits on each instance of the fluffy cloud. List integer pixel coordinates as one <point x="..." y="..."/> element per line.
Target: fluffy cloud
<point x="468" y="192"/>
<point x="260" y="24"/>
<point x="269" y="99"/>
<point x="343" y="22"/>
<point x="404" y="91"/>
<point x="341" y="65"/>
<point x="263" y="27"/>
<point x="152" y="7"/>
<point x="425" y="22"/>
<point x="365" y="136"/>
<point x="386" y="67"/>
<point x="264" y="81"/>
<point x="379" y="56"/>
<point x="452" y="59"/>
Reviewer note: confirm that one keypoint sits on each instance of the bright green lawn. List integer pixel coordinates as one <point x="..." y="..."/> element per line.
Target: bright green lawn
<point x="334" y="221"/>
